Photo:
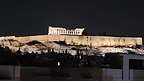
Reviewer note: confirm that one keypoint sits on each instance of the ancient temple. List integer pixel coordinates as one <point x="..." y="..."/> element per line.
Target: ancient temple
<point x="64" y="31"/>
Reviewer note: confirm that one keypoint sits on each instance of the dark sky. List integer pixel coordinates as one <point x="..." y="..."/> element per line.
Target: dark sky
<point x="31" y="17"/>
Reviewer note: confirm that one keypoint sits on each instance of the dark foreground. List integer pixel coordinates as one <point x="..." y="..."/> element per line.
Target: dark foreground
<point x="27" y="73"/>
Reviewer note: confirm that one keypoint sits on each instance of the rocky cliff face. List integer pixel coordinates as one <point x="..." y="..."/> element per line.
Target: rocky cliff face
<point x="94" y="41"/>
<point x="36" y="46"/>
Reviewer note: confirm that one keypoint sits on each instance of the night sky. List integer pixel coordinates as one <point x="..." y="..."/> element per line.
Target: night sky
<point x="32" y="17"/>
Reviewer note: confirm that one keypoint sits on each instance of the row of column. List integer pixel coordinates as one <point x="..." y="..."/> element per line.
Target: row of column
<point x="69" y="32"/>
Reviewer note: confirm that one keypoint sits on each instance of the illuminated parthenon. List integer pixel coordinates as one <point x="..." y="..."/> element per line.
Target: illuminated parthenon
<point x="64" y="31"/>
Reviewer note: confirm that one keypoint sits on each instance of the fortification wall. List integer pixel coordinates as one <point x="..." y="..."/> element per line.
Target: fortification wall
<point x="25" y="39"/>
<point x="103" y="40"/>
<point x="86" y="40"/>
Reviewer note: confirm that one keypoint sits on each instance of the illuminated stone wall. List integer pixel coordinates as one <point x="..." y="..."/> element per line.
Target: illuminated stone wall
<point x="103" y="40"/>
<point x="86" y="40"/>
<point x="41" y="38"/>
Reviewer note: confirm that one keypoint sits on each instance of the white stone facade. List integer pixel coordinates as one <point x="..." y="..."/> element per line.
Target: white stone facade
<point x="64" y="31"/>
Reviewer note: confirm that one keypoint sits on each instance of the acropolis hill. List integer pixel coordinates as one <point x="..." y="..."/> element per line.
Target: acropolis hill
<point x="79" y="39"/>
<point x="72" y="38"/>
<point x="85" y="40"/>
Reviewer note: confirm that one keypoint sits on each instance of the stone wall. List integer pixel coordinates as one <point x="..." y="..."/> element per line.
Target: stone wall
<point x="85" y="40"/>
<point x="103" y="40"/>
<point x="25" y="39"/>
<point x="41" y="38"/>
